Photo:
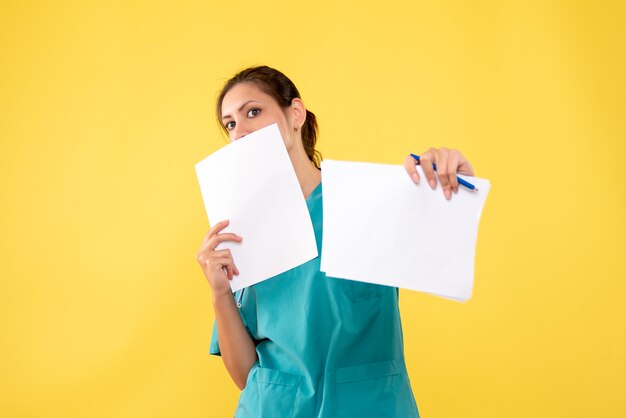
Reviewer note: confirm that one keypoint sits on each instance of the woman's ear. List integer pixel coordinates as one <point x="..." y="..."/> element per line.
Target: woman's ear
<point x="298" y="112"/>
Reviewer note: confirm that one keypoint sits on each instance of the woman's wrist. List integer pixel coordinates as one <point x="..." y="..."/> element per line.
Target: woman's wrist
<point x="223" y="298"/>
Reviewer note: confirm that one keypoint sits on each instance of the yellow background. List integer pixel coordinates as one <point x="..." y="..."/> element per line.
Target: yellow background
<point x="105" y="107"/>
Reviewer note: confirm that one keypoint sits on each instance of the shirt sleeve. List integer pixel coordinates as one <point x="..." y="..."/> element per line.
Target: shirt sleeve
<point x="214" y="348"/>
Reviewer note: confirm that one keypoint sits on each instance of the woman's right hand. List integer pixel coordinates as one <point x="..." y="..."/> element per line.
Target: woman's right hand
<point x="218" y="265"/>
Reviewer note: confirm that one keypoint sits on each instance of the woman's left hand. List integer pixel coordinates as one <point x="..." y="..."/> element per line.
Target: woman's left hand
<point x="449" y="162"/>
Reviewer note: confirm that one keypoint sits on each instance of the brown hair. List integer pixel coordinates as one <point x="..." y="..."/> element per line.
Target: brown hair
<point x="282" y="89"/>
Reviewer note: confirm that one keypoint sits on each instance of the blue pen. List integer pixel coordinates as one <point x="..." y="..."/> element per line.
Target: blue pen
<point x="462" y="182"/>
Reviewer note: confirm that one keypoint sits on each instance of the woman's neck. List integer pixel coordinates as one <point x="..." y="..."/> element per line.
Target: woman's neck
<point x="308" y="175"/>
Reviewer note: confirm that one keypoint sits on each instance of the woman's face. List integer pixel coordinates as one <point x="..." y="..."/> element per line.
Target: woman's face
<point x="246" y="108"/>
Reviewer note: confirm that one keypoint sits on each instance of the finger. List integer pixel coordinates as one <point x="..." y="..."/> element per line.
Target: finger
<point x="215" y="229"/>
<point x="205" y="247"/>
<point x="410" y="165"/>
<point x="215" y="240"/>
<point x="206" y="238"/>
<point x="218" y="239"/>
<point x="442" y="171"/>
<point x="453" y="167"/>
<point x="225" y="258"/>
<point x="208" y="253"/>
<point x="206" y="258"/>
<point x="225" y="253"/>
<point x="217" y="263"/>
<point x="464" y="166"/>
<point x="426" y="162"/>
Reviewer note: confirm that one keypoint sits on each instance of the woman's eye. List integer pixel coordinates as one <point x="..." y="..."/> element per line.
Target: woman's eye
<point x="253" y="112"/>
<point x="230" y="126"/>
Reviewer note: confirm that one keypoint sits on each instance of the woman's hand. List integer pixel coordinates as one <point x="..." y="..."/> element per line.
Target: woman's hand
<point x="449" y="162"/>
<point x="218" y="265"/>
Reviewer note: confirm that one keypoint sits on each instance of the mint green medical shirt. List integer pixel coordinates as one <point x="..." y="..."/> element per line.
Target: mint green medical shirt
<point x="327" y="347"/>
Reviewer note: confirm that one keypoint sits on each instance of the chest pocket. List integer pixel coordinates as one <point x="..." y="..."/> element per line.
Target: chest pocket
<point x="360" y="291"/>
<point x="268" y="394"/>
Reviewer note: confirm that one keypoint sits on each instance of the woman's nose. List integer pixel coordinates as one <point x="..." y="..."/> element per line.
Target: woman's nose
<point x="240" y="131"/>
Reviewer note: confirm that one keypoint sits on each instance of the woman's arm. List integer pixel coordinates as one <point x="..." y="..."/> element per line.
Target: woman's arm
<point x="236" y="347"/>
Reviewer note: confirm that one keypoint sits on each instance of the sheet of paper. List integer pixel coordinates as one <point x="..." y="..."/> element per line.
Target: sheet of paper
<point x="380" y="227"/>
<point x="252" y="183"/>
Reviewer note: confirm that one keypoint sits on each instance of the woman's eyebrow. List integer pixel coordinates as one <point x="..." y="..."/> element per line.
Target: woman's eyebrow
<point x="240" y="107"/>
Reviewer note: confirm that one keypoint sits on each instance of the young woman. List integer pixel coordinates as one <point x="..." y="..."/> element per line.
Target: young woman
<point x="301" y="344"/>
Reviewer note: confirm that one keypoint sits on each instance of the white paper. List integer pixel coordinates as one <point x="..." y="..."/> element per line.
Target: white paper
<point x="252" y="183"/>
<point x="380" y="227"/>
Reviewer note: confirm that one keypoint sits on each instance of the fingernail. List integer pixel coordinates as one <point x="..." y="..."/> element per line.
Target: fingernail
<point x="447" y="194"/>
<point x="416" y="178"/>
<point x="433" y="184"/>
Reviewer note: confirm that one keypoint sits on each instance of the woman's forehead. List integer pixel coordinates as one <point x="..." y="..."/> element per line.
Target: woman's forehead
<point x="243" y="92"/>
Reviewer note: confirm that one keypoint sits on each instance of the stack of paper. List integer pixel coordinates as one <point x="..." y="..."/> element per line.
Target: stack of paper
<point x="380" y="227"/>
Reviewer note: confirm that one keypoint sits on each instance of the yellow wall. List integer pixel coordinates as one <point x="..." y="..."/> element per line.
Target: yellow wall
<point x="106" y="107"/>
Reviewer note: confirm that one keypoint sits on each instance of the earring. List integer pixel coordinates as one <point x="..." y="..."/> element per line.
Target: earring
<point x="295" y="129"/>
